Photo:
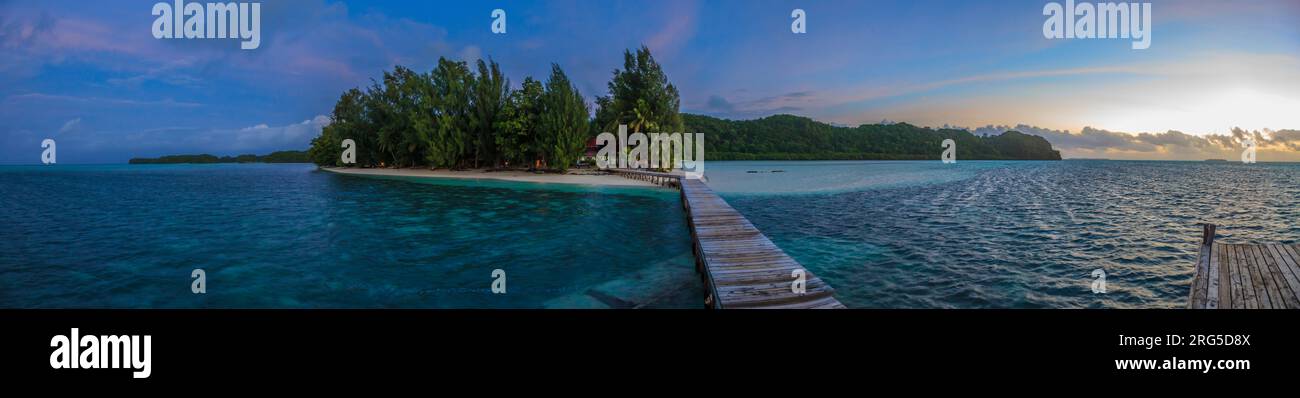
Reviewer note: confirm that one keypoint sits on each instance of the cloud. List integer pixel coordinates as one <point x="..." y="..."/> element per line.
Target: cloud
<point x="321" y="42"/>
<point x="175" y="73"/>
<point x="719" y="106"/>
<point x="100" y="146"/>
<point x="70" y="126"/>
<point x="1271" y="145"/>
<point x="1197" y="92"/>
<point x="33" y="38"/>
<point x="257" y="139"/>
<point x="1280" y="139"/>
<point x="297" y="135"/>
<point x="471" y="54"/>
<point x="41" y="98"/>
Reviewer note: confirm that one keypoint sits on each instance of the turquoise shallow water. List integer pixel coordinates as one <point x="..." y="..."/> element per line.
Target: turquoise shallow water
<point x="884" y="234"/>
<point x="288" y="236"/>
<point x="1009" y="234"/>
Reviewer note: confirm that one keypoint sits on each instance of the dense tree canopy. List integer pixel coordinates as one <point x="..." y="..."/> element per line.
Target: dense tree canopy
<point x="640" y="97"/>
<point x="516" y="131"/>
<point x="446" y="124"/>
<point x="453" y="118"/>
<point x="491" y="92"/>
<point x="564" y="120"/>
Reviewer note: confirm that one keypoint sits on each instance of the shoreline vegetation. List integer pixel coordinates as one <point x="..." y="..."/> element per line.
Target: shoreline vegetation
<point x="456" y="118"/>
<point x="584" y="177"/>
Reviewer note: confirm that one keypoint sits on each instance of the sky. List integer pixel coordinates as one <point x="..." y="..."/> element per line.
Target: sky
<point x="91" y="76"/>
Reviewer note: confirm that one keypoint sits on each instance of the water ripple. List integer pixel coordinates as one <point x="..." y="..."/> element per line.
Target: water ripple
<point x="1016" y="234"/>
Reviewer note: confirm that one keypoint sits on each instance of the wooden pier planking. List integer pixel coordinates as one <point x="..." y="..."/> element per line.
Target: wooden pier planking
<point x="740" y="266"/>
<point x="1259" y="276"/>
<point x="664" y="179"/>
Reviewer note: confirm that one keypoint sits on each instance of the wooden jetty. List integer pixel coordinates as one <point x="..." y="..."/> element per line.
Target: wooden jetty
<point x="740" y="266"/>
<point x="1259" y="276"/>
<point x="664" y="179"/>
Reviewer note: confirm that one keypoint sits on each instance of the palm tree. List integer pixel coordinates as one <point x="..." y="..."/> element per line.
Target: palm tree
<point x="643" y="117"/>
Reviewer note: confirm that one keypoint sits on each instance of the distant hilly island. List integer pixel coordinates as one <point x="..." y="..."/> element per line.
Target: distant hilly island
<point x="786" y="137"/>
<point x="273" y="157"/>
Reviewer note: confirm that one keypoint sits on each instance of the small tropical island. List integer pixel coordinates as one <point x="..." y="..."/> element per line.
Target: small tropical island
<point x="273" y="157"/>
<point x="461" y="119"/>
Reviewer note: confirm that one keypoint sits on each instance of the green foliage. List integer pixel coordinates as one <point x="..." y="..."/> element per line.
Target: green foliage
<point x="453" y="117"/>
<point x="606" y="116"/>
<point x="641" y="97"/>
<point x="402" y="92"/>
<point x="787" y="137"/>
<point x="564" y="121"/>
<point x="389" y="107"/>
<point x="517" y="133"/>
<point x="286" y="157"/>
<point x="347" y="120"/>
<point x="1024" y="146"/>
<point x="491" y="93"/>
<point x="424" y="117"/>
<point x="451" y="134"/>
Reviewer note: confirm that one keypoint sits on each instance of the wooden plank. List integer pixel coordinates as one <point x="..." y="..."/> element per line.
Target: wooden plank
<point x="1247" y="288"/>
<point x="781" y="264"/>
<point x="1269" y="273"/>
<point x="1259" y="278"/>
<point x="740" y="250"/>
<point x="752" y="276"/>
<point x="1279" y="271"/>
<point x="1225" y="280"/>
<point x="1234" y="280"/>
<point x="1287" y="261"/>
<point x="773" y="266"/>
<point x="822" y="303"/>
<point x="1261" y="268"/>
<point x="1256" y="281"/>
<point x="1212" y="285"/>
<point x="777" y="290"/>
<point x="1197" y="297"/>
<point x="1286" y="281"/>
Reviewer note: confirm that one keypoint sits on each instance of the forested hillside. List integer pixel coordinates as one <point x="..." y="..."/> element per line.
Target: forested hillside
<point x="787" y="137"/>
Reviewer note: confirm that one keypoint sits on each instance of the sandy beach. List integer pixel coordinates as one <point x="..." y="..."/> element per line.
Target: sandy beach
<point x="584" y="177"/>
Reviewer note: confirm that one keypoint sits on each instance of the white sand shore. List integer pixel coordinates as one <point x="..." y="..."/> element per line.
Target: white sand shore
<point x="583" y="178"/>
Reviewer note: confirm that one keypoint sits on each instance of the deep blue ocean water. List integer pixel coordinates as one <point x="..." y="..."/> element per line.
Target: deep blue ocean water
<point x="1009" y="234"/>
<point x="289" y="236"/>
